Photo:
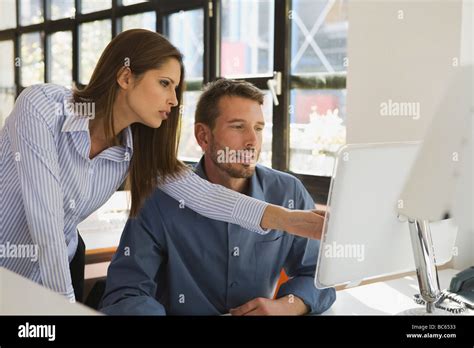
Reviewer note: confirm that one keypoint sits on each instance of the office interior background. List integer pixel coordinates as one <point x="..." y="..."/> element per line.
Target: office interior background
<point x="60" y="41"/>
<point x="305" y="42"/>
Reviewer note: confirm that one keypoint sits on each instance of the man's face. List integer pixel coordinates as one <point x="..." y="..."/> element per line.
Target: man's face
<point x="236" y="140"/>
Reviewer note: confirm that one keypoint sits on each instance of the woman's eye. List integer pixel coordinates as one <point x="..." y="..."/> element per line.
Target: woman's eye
<point x="165" y="83"/>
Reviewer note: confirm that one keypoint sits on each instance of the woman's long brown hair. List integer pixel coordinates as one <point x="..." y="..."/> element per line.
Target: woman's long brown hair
<point x="154" y="150"/>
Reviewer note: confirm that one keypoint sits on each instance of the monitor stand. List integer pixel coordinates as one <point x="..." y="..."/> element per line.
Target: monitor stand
<point x="426" y="271"/>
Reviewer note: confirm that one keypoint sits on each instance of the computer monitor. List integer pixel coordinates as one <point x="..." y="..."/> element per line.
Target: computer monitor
<point x="440" y="181"/>
<point x="363" y="237"/>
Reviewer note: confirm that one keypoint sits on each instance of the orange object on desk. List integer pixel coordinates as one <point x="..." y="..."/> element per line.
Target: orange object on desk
<point x="283" y="279"/>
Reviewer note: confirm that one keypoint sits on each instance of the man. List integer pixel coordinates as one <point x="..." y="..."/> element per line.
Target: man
<point x="173" y="261"/>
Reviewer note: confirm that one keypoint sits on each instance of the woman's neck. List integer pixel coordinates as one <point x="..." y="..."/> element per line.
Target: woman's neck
<point x="99" y="142"/>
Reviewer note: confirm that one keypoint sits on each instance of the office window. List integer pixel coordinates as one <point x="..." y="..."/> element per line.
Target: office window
<point x="317" y="129"/>
<point x="318" y="98"/>
<point x="31" y="59"/>
<point x="247" y="52"/>
<point x="318" y="41"/>
<point x="189" y="150"/>
<point x="7" y="20"/>
<point x="94" y="37"/>
<point x="7" y="80"/>
<point x="247" y="37"/>
<point x="88" y="6"/>
<point x="132" y="2"/>
<point x="185" y="29"/>
<point x="61" y="58"/>
<point x="266" y="153"/>
<point x="62" y="9"/>
<point x="145" y="20"/>
<point x="187" y="33"/>
<point x="31" y="12"/>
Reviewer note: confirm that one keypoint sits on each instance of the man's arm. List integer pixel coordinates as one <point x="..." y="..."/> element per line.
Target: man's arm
<point x="298" y="296"/>
<point x="131" y="284"/>
<point x="286" y="305"/>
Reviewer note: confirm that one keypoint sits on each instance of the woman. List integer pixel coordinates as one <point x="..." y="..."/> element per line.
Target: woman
<point x="63" y="154"/>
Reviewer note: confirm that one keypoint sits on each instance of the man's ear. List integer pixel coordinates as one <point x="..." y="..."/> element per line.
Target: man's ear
<point x="202" y="133"/>
<point x="124" y="77"/>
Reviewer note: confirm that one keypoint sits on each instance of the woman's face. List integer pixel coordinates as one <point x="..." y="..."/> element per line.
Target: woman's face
<point x="152" y="96"/>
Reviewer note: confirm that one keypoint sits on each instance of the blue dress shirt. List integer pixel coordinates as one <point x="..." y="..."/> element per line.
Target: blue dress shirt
<point x="173" y="261"/>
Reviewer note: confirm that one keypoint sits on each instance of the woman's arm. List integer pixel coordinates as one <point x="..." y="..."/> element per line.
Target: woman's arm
<point x="36" y="160"/>
<point x="303" y="223"/>
<point x="219" y="203"/>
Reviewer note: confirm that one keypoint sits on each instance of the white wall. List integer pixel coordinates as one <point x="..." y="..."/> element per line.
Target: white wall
<point x="465" y="239"/>
<point x="405" y="52"/>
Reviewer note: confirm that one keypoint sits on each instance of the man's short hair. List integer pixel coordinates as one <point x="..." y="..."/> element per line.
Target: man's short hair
<point x="207" y="109"/>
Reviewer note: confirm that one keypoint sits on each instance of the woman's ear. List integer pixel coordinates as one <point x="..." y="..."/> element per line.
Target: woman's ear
<point x="124" y="77"/>
<point x="202" y="134"/>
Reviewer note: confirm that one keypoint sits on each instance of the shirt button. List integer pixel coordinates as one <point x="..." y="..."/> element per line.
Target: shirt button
<point x="233" y="284"/>
<point x="91" y="171"/>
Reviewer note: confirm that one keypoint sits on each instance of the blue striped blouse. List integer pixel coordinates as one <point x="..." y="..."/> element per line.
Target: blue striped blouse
<point x="48" y="185"/>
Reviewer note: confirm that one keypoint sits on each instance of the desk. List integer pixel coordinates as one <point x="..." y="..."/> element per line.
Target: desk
<point x="100" y="247"/>
<point x="101" y="233"/>
<point x="383" y="298"/>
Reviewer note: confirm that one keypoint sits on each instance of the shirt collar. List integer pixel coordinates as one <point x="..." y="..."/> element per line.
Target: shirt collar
<point x="73" y="122"/>
<point x="76" y="123"/>
<point x="128" y="138"/>
<point x="255" y="185"/>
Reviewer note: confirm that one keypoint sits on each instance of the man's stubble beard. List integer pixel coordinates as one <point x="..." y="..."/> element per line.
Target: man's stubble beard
<point x="234" y="170"/>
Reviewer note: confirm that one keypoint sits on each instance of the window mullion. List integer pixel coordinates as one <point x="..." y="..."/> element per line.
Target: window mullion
<point x="281" y="63"/>
<point x="75" y="45"/>
<point x="212" y="40"/>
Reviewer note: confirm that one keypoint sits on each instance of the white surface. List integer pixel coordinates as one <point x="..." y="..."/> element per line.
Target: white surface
<point x="21" y="296"/>
<point x="467" y="49"/>
<point x="441" y="178"/>
<point x="400" y="51"/>
<point x="103" y="228"/>
<point x="429" y="191"/>
<point x="383" y="298"/>
<point x="362" y="216"/>
<point x="101" y="238"/>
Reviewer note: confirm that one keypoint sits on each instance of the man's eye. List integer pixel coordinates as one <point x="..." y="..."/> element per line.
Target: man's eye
<point x="259" y="129"/>
<point x="165" y="83"/>
<point x="237" y="127"/>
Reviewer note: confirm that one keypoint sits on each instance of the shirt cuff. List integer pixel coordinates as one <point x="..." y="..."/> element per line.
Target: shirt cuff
<point x="318" y="300"/>
<point x="248" y="213"/>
